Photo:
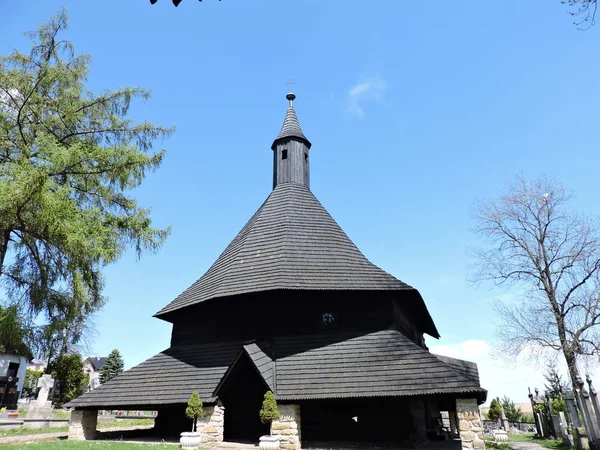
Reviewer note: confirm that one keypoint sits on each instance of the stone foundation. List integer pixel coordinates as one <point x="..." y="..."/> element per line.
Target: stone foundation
<point x="287" y="427"/>
<point x="211" y="424"/>
<point x="82" y="425"/>
<point x="469" y="423"/>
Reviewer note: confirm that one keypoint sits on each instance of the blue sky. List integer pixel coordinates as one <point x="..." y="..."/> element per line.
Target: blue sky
<point x="414" y="110"/>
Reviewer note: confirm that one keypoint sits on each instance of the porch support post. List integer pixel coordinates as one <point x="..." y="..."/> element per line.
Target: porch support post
<point x="469" y="423"/>
<point x="82" y="425"/>
<point x="287" y="427"/>
<point x="211" y="425"/>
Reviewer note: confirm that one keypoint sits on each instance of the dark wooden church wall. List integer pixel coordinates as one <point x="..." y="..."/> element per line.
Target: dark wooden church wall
<point x="282" y="313"/>
<point x="405" y="323"/>
<point x="385" y="420"/>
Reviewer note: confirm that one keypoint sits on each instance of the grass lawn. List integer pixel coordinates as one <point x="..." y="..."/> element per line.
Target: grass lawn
<point x="85" y="445"/>
<point x="101" y="425"/>
<point x="125" y="423"/>
<point x="555" y="444"/>
<point x="28" y="431"/>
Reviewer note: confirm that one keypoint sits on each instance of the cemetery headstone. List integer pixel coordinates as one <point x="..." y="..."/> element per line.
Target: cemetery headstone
<point x="42" y="408"/>
<point x="594" y="397"/>
<point x="572" y="408"/>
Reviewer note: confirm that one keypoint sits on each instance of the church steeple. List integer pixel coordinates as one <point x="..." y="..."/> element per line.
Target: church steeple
<point x="291" y="161"/>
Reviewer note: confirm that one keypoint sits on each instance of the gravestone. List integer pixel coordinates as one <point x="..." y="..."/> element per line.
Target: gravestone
<point x="572" y="408"/>
<point x="562" y="421"/>
<point x="42" y="408"/>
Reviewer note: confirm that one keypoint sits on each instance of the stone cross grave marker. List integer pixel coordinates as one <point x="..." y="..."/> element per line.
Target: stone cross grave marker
<point x="45" y="383"/>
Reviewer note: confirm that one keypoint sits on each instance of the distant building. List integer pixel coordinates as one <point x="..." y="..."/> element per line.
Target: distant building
<point x="12" y="377"/>
<point x="37" y="364"/>
<point x="92" y="366"/>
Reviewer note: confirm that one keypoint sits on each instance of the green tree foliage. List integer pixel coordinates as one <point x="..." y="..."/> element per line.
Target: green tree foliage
<point x="34" y="375"/>
<point x="558" y="405"/>
<point x="68" y="370"/>
<point x="112" y="367"/>
<point x="269" y="412"/>
<point x="194" y="411"/>
<point x="15" y="332"/>
<point x="555" y="386"/>
<point x="495" y="411"/>
<point x="513" y="414"/>
<point x="68" y="161"/>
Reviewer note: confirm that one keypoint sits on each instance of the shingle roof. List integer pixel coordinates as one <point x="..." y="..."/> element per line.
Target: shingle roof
<point x="168" y="377"/>
<point x="291" y="242"/>
<point x="329" y="365"/>
<point x="263" y="363"/>
<point x="97" y="362"/>
<point x="291" y="127"/>
<point x="467" y="369"/>
<point x="384" y="363"/>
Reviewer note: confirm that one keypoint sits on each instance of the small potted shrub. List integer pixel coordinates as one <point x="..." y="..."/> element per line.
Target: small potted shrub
<point x="191" y="440"/>
<point x="269" y="413"/>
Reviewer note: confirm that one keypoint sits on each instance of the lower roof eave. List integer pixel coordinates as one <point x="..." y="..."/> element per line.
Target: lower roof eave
<point x="480" y="394"/>
<point x="140" y="406"/>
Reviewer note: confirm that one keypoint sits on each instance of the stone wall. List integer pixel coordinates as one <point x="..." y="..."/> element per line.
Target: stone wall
<point x="211" y="424"/>
<point x="469" y="423"/>
<point x="287" y="427"/>
<point x="82" y="425"/>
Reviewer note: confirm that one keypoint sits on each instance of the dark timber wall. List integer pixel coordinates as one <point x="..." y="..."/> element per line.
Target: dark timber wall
<point x="281" y="313"/>
<point x="296" y="164"/>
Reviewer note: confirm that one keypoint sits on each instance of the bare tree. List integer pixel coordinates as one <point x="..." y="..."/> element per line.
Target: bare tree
<point x="584" y="12"/>
<point x="536" y="244"/>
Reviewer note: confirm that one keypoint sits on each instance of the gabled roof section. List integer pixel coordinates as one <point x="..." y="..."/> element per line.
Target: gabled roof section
<point x="383" y="363"/>
<point x="166" y="378"/>
<point x="262" y="362"/>
<point x="291" y="242"/>
<point x="291" y="126"/>
<point x="97" y="362"/>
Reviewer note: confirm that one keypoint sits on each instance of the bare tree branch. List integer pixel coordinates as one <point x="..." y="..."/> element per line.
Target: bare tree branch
<point x="534" y="242"/>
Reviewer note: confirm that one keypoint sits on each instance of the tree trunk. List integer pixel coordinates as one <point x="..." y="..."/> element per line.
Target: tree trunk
<point x="572" y="366"/>
<point x="4" y="238"/>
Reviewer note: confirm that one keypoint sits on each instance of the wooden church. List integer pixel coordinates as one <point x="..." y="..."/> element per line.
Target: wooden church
<point x="293" y="306"/>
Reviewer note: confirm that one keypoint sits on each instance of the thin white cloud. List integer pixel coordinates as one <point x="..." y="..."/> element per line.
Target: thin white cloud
<point x="511" y="378"/>
<point x="368" y="90"/>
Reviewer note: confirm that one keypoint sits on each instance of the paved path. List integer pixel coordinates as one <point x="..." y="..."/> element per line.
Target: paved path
<point x="23" y="439"/>
<point x="526" y="446"/>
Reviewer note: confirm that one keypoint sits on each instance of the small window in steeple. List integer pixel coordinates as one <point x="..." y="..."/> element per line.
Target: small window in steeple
<point x="306" y="157"/>
<point x="284" y="154"/>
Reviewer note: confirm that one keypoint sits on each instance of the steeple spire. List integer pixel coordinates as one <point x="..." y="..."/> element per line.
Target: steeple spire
<point x="290" y="150"/>
<point x="291" y="126"/>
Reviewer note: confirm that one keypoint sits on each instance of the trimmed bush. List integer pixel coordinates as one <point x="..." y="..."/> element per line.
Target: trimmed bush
<point x="269" y="411"/>
<point x="194" y="409"/>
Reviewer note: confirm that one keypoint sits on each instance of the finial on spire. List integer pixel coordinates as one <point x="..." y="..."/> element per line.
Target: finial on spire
<point x="291" y="96"/>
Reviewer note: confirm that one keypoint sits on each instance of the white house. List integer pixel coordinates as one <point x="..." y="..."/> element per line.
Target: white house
<point x="37" y="364"/>
<point x="12" y="378"/>
<point x="92" y="366"/>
